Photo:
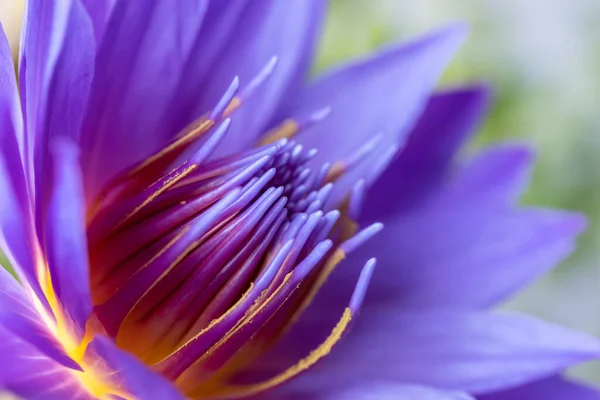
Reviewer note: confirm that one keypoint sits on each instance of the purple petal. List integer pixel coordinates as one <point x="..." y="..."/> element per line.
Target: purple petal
<point x="368" y="391"/>
<point x="65" y="100"/>
<point x="16" y="221"/>
<point x="457" y="350"/>
<point x="448" y="120"/>
<point x="465" y="244"/>
<point x="138" y="66"/>
<point x="19" y="318"/>
<point x="29" y="374"/>
<point x="99" y="12"/>
<point x="384" y="94"/>
<point x="495" y="176"/>
<point x="555" y="388"/>
<point x="66" y="243"/>
<point x="263" y="29"/>
<point x="44" y="30"/>
<point x="140" y="381"/>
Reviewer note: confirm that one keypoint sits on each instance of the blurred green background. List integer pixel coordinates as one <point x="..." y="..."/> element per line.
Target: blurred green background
<point x="543" y="60"/>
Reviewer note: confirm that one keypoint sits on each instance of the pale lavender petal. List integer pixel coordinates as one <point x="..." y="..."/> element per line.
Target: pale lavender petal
<point x="555" y="388"/>
<point x="44" y="28"/>
<point x="16" y="221"/>
<point x="29" y="374"/>
<point x="384" y="95"/>
<point x="66" y="243"/>
<point x="138" y="66"/>
<point x="265" y="29"/>
<point x="457" y="350"/>
<point x="368" y="391"/>
<point x="140" y="382"/>
<point x="19" y="317"/>
<point x="448" y="120"/>
<point x="99" y="12"/>
<point x="65" y="99"/>
<point x="465" y="244"/>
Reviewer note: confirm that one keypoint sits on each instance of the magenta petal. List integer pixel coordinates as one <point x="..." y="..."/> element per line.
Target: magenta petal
<point x="555" y="388"/>
<point x="263" y="29"/>
<point x="140" y="60"/>
<point x="383" y="94"/>
<point x="66" y="243"/>
<point x="140" y="381"/>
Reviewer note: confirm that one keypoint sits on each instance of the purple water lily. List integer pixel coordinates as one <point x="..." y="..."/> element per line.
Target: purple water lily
<point x="189" y="218"/>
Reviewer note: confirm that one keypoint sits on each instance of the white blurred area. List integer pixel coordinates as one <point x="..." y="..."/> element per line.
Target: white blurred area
<point x="10" y="17"/>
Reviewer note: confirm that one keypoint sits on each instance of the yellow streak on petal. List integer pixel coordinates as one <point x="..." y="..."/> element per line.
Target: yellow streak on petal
<point x="62" y="328"/>
<point x="169" y="183"/>
<point x="323" y="350"/>
<point x="190" y="376"/>
<point x="120" y="336"/>
<point x="195" y="130"/>
<point x="287" y="129"/>
<point x="329" y="267"/>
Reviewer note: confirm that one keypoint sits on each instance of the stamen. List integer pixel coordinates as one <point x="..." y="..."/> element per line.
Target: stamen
<point x="323" y="350"/>
<point x="343" y="166"/>
<point x="225" y="100"/>
<point x="289" y="128"/>
<point x="254" y="84"/>
<point x="213" y="259"/>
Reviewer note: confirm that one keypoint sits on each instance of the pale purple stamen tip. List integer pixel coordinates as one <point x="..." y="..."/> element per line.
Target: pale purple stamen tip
<point x="260" y="78"/>
<point x="314" y="118"/>
<point x="214" y="235"/>
<point x="225" y="99"/>
<point x="207" y="149"/>
<point x="361" y="237"/>
<point x="361" y="286"/>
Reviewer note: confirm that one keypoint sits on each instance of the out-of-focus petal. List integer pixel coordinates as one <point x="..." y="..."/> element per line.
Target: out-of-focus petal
<point x="18" y="316"/>
<point x="66" y="244"/>
<point x="381" y="95"/>
<point x="44" y="30"/>
<point x="99" y="12"/>
<point x="16" y="222"/>
<point x="262" y="29"/>
<point x="29" y="374"/>
<point x="555" y="388"/>
<point x="56" y="69"/>
<point x="457" y="350"/>
<point x="368" y="391"/>
<point x="139" y="381"/>
<point x="140" y="60"/>
<point x="466" y="244"/>
<point x="66" y="99"/>
<point x="448" y="120"/>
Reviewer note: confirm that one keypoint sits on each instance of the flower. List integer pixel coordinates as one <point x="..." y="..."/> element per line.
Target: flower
<point x="176" y="235"/>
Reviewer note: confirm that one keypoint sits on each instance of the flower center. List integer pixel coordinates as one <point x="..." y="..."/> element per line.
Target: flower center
<point x="199" y="269"/>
